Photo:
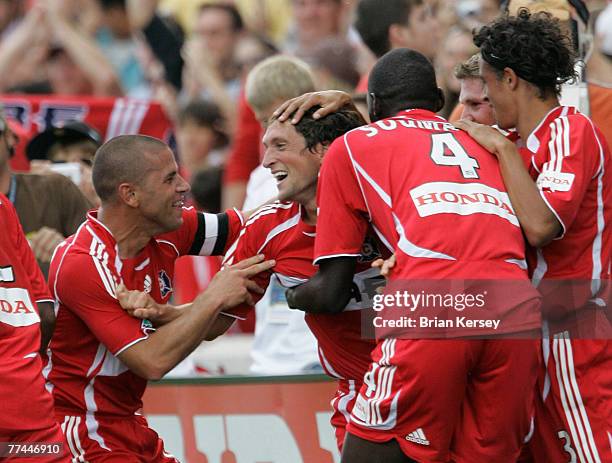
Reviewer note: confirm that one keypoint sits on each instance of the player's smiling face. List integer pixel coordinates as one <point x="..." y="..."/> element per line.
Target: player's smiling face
<point x="498" y="91"/>
<point x="163" y="192"/>
<point x="294" y="167"/>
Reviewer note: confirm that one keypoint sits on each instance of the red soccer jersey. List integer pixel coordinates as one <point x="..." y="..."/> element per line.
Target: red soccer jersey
<point x="434" y="194"/>
<point x="571" y="164"/>
<point x="92" y="328"/>
<point x="25" y="404"/>
<point x="278" y="231"/>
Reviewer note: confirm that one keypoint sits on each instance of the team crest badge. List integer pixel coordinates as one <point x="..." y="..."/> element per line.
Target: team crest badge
<point x="165" y="285"/>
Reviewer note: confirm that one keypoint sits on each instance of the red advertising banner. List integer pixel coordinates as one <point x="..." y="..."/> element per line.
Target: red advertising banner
<point x="110" y="116"/>
<point x="249" y="420"/>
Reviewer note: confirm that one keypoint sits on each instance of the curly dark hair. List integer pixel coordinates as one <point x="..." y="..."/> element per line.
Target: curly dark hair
<point x="533" y="46"/>
<point x="326" y="129"/>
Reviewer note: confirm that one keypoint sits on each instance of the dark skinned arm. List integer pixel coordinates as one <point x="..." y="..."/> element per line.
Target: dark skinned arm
<point x="329" y="291"/>
<point x="47" y="324"/>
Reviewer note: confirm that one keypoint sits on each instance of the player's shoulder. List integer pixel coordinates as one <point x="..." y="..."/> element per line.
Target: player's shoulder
<point x="80" y="252"/>
<point x="272" y="214"/>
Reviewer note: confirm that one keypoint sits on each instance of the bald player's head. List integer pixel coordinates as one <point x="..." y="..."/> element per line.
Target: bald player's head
<point x="123" y="159"/>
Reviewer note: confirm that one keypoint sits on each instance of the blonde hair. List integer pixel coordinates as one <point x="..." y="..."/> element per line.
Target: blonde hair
<point x="468" y="69"/>
<point x="277" y="78"/>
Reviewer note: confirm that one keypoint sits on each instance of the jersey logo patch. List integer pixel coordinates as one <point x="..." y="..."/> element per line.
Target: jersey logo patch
<point x="462" y="199"/>
<point x="418" y="437"/>
<point x="7" y="275"/>
<point x="165" y="285"/>
<point x="555" y="181"/>
<point x="16" y="308"/>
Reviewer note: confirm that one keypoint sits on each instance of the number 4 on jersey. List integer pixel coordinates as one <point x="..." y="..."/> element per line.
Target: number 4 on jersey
<point x="447" y="151"/>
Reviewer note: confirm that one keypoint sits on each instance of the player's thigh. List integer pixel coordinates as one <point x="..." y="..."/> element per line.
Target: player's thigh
<point x="358" y="450"/>
<point x="498" y="412"/>
<point x="579" y="403"/>
<point x="412" y="393"/>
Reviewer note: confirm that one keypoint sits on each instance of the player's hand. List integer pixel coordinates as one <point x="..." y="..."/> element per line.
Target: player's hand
<point x="233" y="286"/>
<point x="140" y="305"/>
<point x="44" y="242"/>
<point x="329" y="100"/>
<point x="385" y="265"/>
<point x="488" y="137"/>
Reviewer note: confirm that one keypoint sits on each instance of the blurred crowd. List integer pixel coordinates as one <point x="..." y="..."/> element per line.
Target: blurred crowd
<point x="193" y="58"/>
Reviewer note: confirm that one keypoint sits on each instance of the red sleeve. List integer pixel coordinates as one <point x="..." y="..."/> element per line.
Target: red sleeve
<point x="245" y="154"/>
<point x="247" y="245"/>
<point x="575" y="156"/>
<point x="93" y="300"/>
<point x="341" y="223"/>
<point x="40" y="291"/>
<point x="204" y="234"/>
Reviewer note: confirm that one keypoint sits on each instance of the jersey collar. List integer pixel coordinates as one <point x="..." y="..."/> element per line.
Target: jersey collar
<point x="420" y="114"/>
<point x="92" y="218"/>
<point x="533" y="140"/>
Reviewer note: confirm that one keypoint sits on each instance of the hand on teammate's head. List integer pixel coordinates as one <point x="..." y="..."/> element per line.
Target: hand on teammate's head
<point x="329" y="100"/>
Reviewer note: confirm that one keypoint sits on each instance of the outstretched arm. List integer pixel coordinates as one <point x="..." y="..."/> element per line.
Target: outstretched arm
<point x="154" y="356"/>
<point x="329" y="291"/>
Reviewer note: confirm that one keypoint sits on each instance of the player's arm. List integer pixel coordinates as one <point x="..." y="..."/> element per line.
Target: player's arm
<point x="329" y="291"/>
<point x="250" y="241"/>
<point x="330" y="101"/>
<point x="140" y="305"/>
<point x="539" y="223"/>
<point x="47" y="324"/>
<point x="153" y="357"/>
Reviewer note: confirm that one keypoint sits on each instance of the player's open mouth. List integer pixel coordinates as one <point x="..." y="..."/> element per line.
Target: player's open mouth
<point x="178" y="204"/>
<point x="280" y="175"/>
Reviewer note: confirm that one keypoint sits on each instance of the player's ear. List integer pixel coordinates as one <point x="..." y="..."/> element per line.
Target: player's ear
<point x="373" y="106"/>
<point x="127" y="194"/>
<point x="510" y="79"/>
<point x="320" y="150"/>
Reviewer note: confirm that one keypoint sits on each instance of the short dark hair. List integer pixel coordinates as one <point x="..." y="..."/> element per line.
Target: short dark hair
<point x="205" y="114"/>
<point x="404" y="79"/>
<point x="533" y="46"/>
<point x="375" y="17"/>
<point x="325" y="130"/>
<point x="122" y="159"/>
<point x="206" y="189"/>
<point x="231" y="10"/>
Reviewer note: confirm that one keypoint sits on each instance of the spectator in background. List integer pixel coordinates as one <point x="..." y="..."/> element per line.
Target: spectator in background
<point x="121" y="48"/>
<point x="211" y="71"/>
<point x="206" y="189"/>
<point x="388" y="24"/>
<point x="456" y="48"/>
<point x="74" y="64"/>
<point x="313" y="21"/>
<point x="200" y="137"/>
<point x="474" y="105"/>
<point x="50" y="207"/>
<point x="475" y="13"/>
<point x="73" y="145"/>
<point x="334" y="64"/>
